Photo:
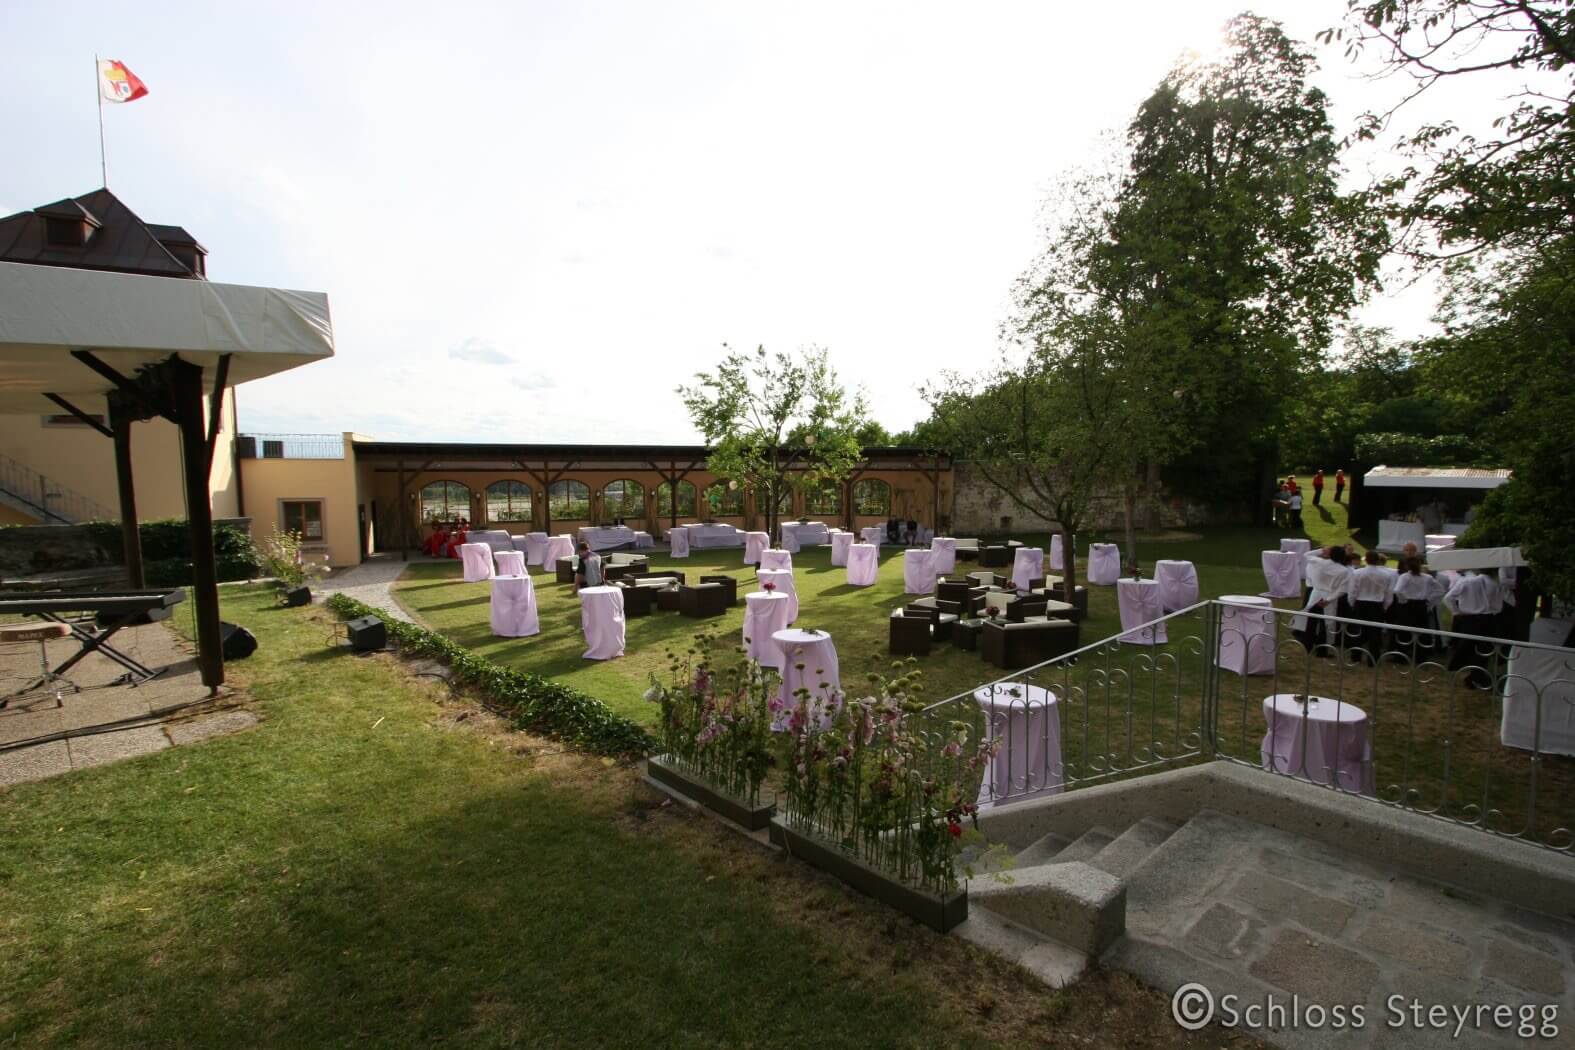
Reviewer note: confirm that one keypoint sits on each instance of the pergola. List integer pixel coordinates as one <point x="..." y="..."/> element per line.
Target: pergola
<point x="133" y="347"/>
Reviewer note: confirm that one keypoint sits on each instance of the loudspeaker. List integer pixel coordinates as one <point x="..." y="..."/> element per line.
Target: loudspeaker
<point x="238" y="642"/>
<point x="367" y="634"/>
<point x="301" y="595"/>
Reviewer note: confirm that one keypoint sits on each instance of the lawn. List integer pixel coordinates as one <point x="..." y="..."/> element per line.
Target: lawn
<point x="378" y="863"/>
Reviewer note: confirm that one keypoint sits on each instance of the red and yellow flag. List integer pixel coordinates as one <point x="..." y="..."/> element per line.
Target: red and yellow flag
<point x="116" y="83"/>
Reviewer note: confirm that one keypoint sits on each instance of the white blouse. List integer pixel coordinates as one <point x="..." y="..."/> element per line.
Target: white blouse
<point x="1420" y="588"/>
<point x="1372" y="583"/>
<point x="1475" y="595"/>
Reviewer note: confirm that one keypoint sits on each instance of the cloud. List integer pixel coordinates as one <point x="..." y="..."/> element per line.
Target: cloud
<point x="481" y="352"/>
<point x="534" y="381"/>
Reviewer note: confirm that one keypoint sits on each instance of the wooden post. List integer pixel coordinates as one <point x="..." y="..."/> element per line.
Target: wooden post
<point x="130" y="532"/>
<point x="185" y="383"/>
<point x="402" y="508"/>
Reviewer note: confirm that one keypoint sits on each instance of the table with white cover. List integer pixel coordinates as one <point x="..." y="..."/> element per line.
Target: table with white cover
<point x="509" y="563"/>
<point x="601" y="618"/>
<point x="1539" y="693"/>
<point x="754" y="543"/>
<point x="863" y="564"/>
<point x="1394" y="535"/>
<point x="1178" y="584"/>
<point x="1104" y="564"/>
<point x="513" y="612"/>
<point x="1440" y="541"/>
<point x="945" y="549"/>
<point x="1139" y="603"/>
<point x="1295" y="545"/>
<point x="765" y="613"/>
<point x="782" y="581"/>
<point x="1247" y="639"/>
<point x="772" y="558"/>
<point x="477" y="561"/>
<point x="1028" y="564"/>
<point x="497" y="539"/>
<point x="643" y="540"/>
<point x="875" y="534"/>
<point x="1282" y="570"/>
<point x="557" y="547"/>
<point x="1057" y="554"/>
<point x="840" y="542"/>
<point x="809" y="662"/>
<point x="1024" y="723"/>
<point x="918" y="571"/>
<point x="705" y="537"/>
<point x="1326" y="742"/>
<point x="804" y="534"/>
<point x="536" y="548"/>
<point x="607" y="537"/>
<point x="678" y="542"/>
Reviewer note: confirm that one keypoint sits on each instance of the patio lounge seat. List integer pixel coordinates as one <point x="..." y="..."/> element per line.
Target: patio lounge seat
<point x="1015" y="645"/>
<point x="910" y="635"/>
<point x="727" y="583"/>
<point x="638" y="601"/>
<point x="702" y="599"/>
<point x="995" y="556"/>
<point x="566" y="567"/>
<point x="967" y="550"/>
<point x="941" y="623"/>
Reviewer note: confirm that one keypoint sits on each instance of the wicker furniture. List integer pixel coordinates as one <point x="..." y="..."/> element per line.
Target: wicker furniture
<point x="703" y="599"/>
<point x="1015" y="645"/>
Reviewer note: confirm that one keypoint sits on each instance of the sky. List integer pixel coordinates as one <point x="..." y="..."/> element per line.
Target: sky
<point x="535" y="220"/>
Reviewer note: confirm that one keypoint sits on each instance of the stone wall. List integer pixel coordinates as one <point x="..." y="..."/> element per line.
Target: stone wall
<point x="981" y="509"/>
<point x="28" y="550"/>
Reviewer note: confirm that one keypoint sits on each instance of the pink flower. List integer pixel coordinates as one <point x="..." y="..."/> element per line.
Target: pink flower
<point x="955" y="829"/>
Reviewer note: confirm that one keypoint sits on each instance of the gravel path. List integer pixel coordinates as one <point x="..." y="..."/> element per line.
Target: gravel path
<point x="371" y="582"/>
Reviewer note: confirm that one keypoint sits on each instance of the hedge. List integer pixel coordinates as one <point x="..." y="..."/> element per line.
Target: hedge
<point x="166" y="550"/>
<point x="529" y="701"/>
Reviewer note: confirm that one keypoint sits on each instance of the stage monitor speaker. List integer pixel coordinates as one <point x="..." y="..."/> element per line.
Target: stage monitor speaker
<point x="238" y="642"/>
<point x="297" y="596"/>
<point x="367" y="634"/>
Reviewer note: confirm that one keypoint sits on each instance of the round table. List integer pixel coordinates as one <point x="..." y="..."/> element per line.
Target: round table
<point x="510" y="563"/>
<point x="840" y="542"/>
<point x="918" y="571"/>
<point x="477" y="560"/>
<point x="875" y="534"/>
<point x="782" y="581"/>
<point x="1178" y="584"/>
<point x="809" y="662"/>
<point x="1104" y="564"/>
<point x="1140" y="604"/>
<point x="1327" y="742"/>
<point x="1295" y="546"/>
<point x="945" y="550"/>
<point x="557" y="547"/>
<point x="1028" y="564"/>
<point x="1057" y="554"/>
<point x="678" y="542"/>
<point x="863" y="564"/>
<point x="514" y="606"/>
<point x="1283" y="570"/>
<point x="601" y="618"/>
<point x="1024" y="722"/>
<point x="1247" y="635"/>
<point x="535" y="548"/>
<point x="773" y="558"/>
<point x="765" y="614"/>
<point x="754" y="543"/>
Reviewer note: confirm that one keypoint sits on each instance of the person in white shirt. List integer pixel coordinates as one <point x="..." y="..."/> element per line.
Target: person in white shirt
<point x="1416" y="598"/>
<point x="1329" y="579"/>
<point x="1475" y="602"/>
<point x="1370" y="590"/>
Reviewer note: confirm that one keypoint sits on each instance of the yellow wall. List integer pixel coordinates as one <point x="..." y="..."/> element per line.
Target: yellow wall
<point x="269" y="482"/>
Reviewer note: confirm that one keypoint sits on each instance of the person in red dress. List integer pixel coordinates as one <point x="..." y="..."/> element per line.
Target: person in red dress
<point x="1318" y="488"/>
<point x="1339" y="484"/>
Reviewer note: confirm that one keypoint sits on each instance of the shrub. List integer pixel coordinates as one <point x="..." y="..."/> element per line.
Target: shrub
<point x="1412" y="450"/>
<point x="280" y="557"/>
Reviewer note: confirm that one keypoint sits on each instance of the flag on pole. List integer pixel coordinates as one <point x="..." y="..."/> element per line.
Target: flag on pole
<point x="116" y="83"/>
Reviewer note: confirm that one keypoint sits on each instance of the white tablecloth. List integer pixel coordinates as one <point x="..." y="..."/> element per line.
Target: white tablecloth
<point x="1547" y="675"/>
<point x="804" y="534"/>
<point x="754" y="543"/>
<point x="1295" y="546"/>
<point x="678" y="542"/>
<point x="1247" y="636"/>
<point x="1322" y="742"/>
<point x="1440" y="541"/>
<point x="765" y="613"/>
<point x="918" y="571"/>
<point x="535" y="548"/>
<point x="1057" y="554"/>
<point x="601" y="617"/>
<point x="477" y="560"/>
<point x="1393" y="535"/>
<point x="840" y="542"/>
<point x="772" y="558"/>
<point x="557" y="547"/>
<point x="945" y="548"/>
<point x="704" y="537"/>
<point x="809" y="662"/>
<point x="1025" y="724"/>
<point x="497" y="539"/>
<point x="514" y="606"/>
<point x="875" y="534"/>
<point x="863" y="564"/>
<point x="1283" y="571"/>
<point x="643" y="540"/>
<point x="1178" y="584"/>
<point x="782" y="581"/>
<point x="509" y="563"/>
<point x="607" y="537"/>
<point x="1104" y="564"/>
<point x="1139" y="602"/>
<point x="1027" y="564"/>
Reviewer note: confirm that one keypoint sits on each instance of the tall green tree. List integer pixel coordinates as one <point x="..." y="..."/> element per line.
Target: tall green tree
<point x="776" y="422"/>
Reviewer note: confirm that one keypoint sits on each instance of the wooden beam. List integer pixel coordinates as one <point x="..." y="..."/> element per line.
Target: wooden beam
<point x="221" y="376"/>
<point x="81" y="415"/>
<point x="130" y="531"/>
<point x="185" y="381"/>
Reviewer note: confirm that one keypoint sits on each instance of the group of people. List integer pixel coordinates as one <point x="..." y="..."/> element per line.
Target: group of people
<point x="445" y="539"/>
<point x="902" y="531"/>
<point x="1288" y="500"/>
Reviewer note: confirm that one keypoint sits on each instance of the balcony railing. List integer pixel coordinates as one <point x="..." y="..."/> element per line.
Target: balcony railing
<point x="292" y="446"/>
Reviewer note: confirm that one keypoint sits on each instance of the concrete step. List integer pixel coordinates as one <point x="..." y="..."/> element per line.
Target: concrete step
<point x="1042" y="851"/>
<point x="1131" y="848"/>
<point x="1084" y="846"/>
<point x="1165" y="891"/>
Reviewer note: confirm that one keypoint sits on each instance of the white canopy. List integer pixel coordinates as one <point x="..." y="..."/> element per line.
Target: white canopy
<point x="1479" y="558"/>
<point x="131" y="320"/>
<point x="1434" y="478"/>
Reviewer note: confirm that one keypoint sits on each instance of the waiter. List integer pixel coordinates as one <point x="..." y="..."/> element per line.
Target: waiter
<point x="1475" y="601"/>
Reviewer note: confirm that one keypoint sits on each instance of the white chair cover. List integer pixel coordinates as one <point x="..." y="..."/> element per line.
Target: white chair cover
<point x="535" y="548"/>
<point x="513" y="612"/>
<point x="840" y="542"/>
<point x="765" y="613"/>
<point x="1295" y="545"/>
<point x="679" y="541"/>
<point x="1178" y="584"/>
<point x="776" y="559"/>
<point x="918" y="573"/>
<point x="1104" y="564"/>
<point x="1057" y="555"/>
<point x="1139" y="602"/>
<point x="945" y="550"/>
<point x="754" y="543"/>
<point x="601" y="617"/>
<point x="509" y="563"/>
<point x="1283" y="571"/>
<point x="1247" y="636"/>
<point x="863" y="564"/>
<point x="875" y="534"/>
<point x="477" y="560"/>
<point x="557" y="547"/>
<point x="1028" y="564"/>
<point x="782" y="580"/>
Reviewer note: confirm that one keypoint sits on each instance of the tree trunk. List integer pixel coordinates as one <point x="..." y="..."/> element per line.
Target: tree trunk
<point x="1129" y="500"/>
<point x="1069" y="567"/>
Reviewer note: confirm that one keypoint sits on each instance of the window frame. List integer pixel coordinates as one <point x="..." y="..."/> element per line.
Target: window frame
<point x="559" y="511"/>
<point x="509" y="499"/>
<point x="675" y="503"/>
<point x="450" y="512"/>
<point x="620" y="511"/>
<point x="858" y="503"/>
<point x="285" y="525"/>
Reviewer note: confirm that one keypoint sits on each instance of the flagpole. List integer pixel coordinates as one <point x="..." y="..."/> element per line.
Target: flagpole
<point x="98" y="93"/>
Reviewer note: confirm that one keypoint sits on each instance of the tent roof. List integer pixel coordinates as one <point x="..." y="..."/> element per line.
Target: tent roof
<point x="130" y="320"/>
<point x="1434" y="478"/>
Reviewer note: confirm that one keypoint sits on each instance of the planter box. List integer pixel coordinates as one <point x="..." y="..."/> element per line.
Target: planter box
<point x="939" y="914"/>
<point x="754" y="818"/>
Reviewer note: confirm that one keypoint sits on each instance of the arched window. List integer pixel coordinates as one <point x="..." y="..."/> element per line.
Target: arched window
<point x="569" y="500"/>
<point x="823" y="498"/>
<point x="686" y="500"/>
<point x="508" y="501"/>
<point x="872" y="497"/>
<point x="444" y="501"/>
<point x="623" y="499"/>
<point x="725" y="501"/>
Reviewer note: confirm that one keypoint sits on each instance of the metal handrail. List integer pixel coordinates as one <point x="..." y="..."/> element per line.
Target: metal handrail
<point x="53" y="501"/>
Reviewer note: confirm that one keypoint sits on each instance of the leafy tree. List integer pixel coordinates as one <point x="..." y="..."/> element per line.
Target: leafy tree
<point x="776" y="422"/>
<point x="872" y="435"/>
